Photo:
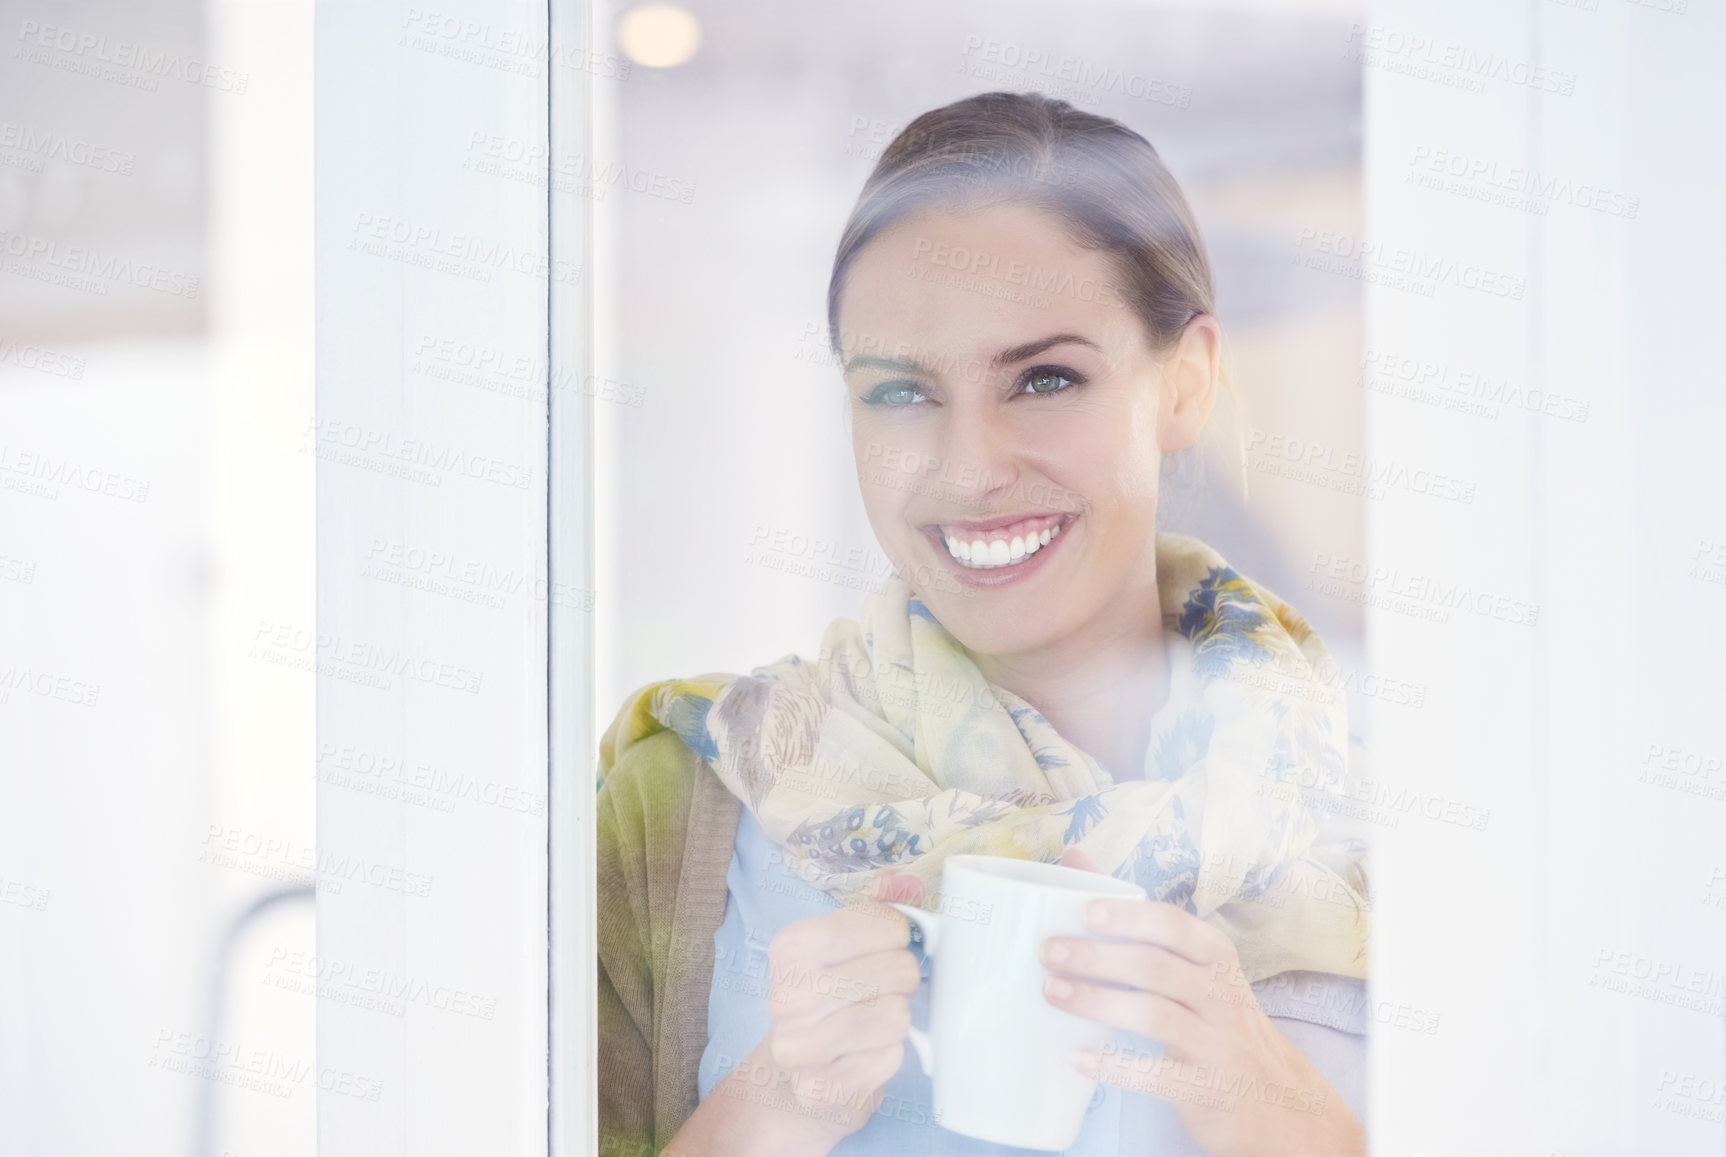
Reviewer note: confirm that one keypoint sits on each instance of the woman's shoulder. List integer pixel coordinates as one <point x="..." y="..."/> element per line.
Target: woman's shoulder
<point x="658" y="797"/>
<point x="644" y="770"/>
<point x="645" y="780"/>
<point x="659" y="732"/>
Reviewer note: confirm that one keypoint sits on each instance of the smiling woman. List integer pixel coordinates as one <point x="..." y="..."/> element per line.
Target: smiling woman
<point x="1065" y="432"/>
<point x="1022" y="308"/>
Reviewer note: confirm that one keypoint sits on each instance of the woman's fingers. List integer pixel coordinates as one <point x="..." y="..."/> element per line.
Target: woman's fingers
<point x="1148" y="1075"/>
<point x="808" y="992"/>
<point x="853" y="1028"/>
<point x="895" y="887"/>
<point x="841" y="935"/>
<point x="1147" y="966"/>
<point x="1082" y="860"/>
<point x="1162" y="924"/>
<point x="840" y="984"/>
<point x="1175" y="1026"/>
<point x="1177" y="955"/>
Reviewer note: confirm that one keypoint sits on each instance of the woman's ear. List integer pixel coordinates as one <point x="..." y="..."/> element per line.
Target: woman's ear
<point x="1189" y="384"/>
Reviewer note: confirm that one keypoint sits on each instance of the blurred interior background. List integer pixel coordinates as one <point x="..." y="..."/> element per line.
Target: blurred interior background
<point x="155" y="508"/>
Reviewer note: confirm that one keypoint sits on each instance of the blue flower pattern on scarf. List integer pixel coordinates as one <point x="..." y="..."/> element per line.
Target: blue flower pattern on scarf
<point x="1221" y="619"/>
<point x="1166" y="865"/>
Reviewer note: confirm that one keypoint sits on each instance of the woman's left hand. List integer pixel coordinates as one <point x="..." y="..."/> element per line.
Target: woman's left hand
<point x="1241" y="1088"/>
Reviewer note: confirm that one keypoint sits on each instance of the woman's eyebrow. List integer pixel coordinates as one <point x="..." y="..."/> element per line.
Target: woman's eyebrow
<point x="1006" y="357"/>
<point x="1031" y="349"/>
<point x="897" y="365"/>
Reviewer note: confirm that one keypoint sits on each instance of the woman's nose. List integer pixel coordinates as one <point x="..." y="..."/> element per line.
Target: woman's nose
<point x="979" y="449"/>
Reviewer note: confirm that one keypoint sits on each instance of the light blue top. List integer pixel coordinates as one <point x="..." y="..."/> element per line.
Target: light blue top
<point x="1324" y="1016"/>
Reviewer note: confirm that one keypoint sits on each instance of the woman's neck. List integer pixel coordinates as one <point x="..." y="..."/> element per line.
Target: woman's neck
<point x="1098" y="688"/>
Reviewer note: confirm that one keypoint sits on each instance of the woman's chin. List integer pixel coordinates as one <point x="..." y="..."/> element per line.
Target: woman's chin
<point x="995" y="623"/>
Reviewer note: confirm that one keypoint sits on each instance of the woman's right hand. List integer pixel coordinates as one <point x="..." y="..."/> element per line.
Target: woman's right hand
<point x="838" y="1016"/>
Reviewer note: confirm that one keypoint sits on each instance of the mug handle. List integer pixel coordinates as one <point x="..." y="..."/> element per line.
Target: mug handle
<point x="930" y="925"/>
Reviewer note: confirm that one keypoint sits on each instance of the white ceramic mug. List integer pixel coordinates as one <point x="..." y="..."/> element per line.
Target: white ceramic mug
<point x="1000" y="1055"/>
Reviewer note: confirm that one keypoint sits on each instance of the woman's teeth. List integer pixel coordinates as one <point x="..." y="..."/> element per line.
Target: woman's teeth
<point x="988" y="554"/>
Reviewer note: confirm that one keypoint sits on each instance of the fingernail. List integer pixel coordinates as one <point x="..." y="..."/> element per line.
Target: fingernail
<point x="1096" y="914"/>
<point x="1057" y="988"/>
<point x="1088" y="1062"/>
<point x="1055" y="952"/>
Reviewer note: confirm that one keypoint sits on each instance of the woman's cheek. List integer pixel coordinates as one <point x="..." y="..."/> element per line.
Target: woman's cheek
<point x="1122" y="540"/>
<point x="1139" y="470"/>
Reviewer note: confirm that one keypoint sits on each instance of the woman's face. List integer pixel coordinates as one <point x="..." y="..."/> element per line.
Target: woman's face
<point x="1009" y="417"/>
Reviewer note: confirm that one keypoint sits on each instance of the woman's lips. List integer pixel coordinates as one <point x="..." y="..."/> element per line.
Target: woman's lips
<point x="1002" y="553"/>
<point x="1002" y="545"/>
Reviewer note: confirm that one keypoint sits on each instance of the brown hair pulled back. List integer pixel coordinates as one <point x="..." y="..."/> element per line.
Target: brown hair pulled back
<point x="1102" y="179"/>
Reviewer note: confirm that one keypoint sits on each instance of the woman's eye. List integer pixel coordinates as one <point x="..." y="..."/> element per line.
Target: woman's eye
<point x="894" y="394"/>
<point x="1048" y="381"/>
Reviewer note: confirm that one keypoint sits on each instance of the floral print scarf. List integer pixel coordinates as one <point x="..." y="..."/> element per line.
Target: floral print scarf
<point x="891" y="751"/>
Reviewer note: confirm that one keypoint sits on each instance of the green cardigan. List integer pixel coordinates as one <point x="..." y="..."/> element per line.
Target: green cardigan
<point x="666" y="827"/>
